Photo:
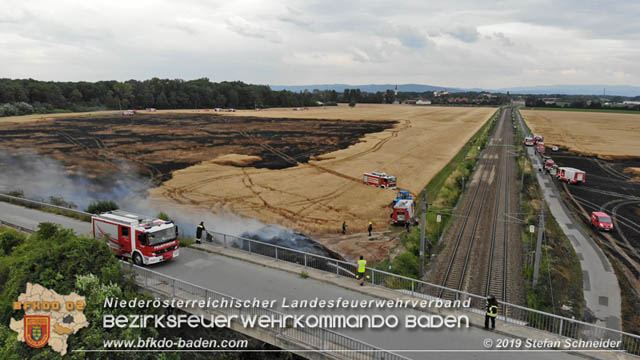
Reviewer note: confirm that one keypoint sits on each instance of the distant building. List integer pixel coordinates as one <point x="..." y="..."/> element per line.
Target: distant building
<point x="627" y="102"/>
<point x="410" y="102"/>
<point x="423" y="102"/>
<point x="440" y="93"/>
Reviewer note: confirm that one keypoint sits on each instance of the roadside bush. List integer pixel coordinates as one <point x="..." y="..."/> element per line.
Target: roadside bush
<point x="60" y="201"/>
<point x="102" y="206"/>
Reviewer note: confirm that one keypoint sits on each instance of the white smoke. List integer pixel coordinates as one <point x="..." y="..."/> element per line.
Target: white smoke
<point x="39" y="177"/>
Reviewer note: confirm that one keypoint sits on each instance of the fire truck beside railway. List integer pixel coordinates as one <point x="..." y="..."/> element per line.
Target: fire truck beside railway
<point x="379" y="179"/>
<point x="538" y="139"/>
<point x="403" y="212"/>
<point x="548" y="164"/>
<point x="528" y="141"/>
<point x="571" y="175"/>
<point x="143" y="239"/>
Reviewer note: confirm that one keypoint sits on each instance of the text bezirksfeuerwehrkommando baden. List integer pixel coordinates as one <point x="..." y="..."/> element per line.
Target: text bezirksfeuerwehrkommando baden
<point x="284" y="303"/>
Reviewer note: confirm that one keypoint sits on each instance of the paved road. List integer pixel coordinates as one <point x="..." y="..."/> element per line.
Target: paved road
<point x="601" y="289"/>
<point x="248" y="280"/>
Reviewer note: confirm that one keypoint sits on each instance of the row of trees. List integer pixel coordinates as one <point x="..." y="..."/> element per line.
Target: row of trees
<point x="18" y="97"/>
<point x="27" y="96"/>
<point x="579" y="102"/>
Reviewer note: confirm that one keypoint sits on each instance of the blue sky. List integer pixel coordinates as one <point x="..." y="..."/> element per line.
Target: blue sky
<point x="468" y="44"/>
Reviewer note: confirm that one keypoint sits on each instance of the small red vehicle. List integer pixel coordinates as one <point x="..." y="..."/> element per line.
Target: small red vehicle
<point x="601" y="221"/>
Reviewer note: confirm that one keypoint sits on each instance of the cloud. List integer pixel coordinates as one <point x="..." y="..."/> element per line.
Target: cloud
<point x="243" y="27"/>
<point x="467" y="34"/>
<point x="455" y="44"/>
<point x="504" y="40"/>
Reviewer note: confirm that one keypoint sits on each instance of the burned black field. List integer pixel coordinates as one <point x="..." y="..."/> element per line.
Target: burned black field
<point x="157" y="144"/>
<point x="610" y="189"/>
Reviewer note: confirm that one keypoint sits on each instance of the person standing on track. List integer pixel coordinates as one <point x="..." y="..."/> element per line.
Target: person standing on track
<point x="362" y="267"/>
<point x="492" y="312"/>
<point x="370" y="228"/>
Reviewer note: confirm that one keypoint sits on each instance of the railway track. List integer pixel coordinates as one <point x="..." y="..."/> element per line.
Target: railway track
<point x="479" y="261"/>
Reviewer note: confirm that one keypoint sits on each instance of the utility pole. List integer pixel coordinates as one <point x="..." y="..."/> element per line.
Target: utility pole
<point x="536" y="265"/>
<point x="422" y="232"/>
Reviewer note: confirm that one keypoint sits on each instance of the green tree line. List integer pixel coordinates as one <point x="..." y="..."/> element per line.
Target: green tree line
<point x="26" y="96"/>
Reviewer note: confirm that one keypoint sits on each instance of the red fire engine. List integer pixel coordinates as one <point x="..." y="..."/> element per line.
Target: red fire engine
<point x="538" y="139"/>
<point x="379" y="179"/>
<point x="571" y="175"/>
<point x="528" y="141"/>
<point x="548" y="164"/>
<point x="145" y="240"/>
<point x="540" y="148"/>
<point x="403" y="212"/>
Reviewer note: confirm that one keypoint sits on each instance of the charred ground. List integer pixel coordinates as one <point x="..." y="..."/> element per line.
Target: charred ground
<point x="611" y="188"/>
<point x="158" y="144"/>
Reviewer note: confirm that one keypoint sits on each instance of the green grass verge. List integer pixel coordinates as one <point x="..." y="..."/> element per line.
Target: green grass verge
<point x="619" y="111"/>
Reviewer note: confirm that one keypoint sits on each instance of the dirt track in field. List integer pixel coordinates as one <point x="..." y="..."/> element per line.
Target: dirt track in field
<point x="606" y="135"/>
<point x="316" y="197"/>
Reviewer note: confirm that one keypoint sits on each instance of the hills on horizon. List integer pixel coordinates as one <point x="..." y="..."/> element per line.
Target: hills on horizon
<point x="607" y="90"/>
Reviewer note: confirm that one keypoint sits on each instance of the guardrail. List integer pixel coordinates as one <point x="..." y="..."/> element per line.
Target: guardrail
<point x="321" y="339"/>
<point x="510" y="313"/>
<point x="40" y="205"/>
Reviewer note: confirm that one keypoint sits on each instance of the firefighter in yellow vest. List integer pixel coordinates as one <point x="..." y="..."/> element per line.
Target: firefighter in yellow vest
<point x="492" y="312"/>
<point x="362" y="263"/>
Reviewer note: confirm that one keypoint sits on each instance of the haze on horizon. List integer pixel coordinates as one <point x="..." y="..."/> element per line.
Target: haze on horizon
<point x="458" y="44"/>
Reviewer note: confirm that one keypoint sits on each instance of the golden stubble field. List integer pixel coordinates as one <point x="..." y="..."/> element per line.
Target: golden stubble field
<point x="318" y="196"/>
<point x="607" y="135"/>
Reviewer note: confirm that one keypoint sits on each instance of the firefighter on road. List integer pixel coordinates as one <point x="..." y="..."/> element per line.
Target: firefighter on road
<point x="370" y="227"/>
<point x="362" y="267"/>
<point x="492" y="312"/>
<point x="200" y="232"/>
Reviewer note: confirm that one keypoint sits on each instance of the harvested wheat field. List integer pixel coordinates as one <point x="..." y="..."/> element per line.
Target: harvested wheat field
<point x="316" y="196"/>
<point x="606" y="135"/>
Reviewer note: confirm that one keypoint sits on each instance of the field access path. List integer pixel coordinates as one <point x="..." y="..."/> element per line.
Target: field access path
<point x="601" y="289"/>
<point x="482" y="249"/>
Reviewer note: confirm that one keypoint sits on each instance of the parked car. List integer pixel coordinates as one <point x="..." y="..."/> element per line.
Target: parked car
<point x="601" y="221"/>
<point x="555" y="148"/>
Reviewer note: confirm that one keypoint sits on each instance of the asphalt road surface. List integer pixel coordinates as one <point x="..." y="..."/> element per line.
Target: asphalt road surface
<point x="246" y="280"/>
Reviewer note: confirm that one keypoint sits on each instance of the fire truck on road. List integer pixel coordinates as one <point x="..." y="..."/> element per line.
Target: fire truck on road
<point x="143" y="239"/>
<point x="379" y="179"/>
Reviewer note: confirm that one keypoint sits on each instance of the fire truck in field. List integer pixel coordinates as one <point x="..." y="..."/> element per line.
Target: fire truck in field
<point x="379" y="179"/>
<point x="403" y="212"/>
<point x="571" y="175"/>
<point x="143" y="239"/>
